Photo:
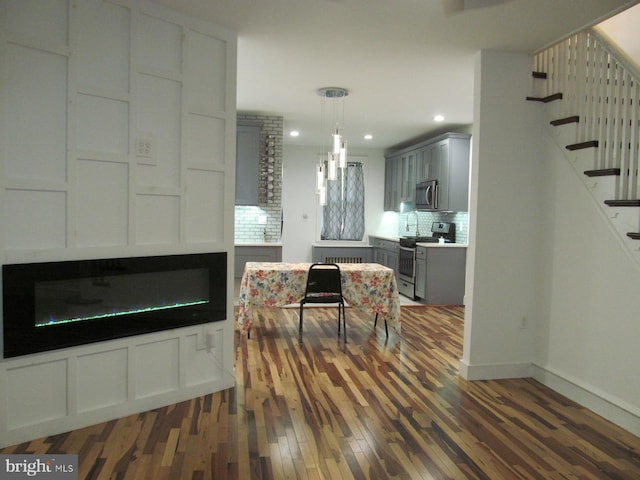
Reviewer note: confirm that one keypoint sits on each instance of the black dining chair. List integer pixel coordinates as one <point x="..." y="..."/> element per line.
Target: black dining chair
<point x="324" y="285"/>
<point x="375" y="324"/>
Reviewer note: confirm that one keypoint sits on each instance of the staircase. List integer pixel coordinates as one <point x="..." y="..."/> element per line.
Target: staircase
<point x="593" y="92"/>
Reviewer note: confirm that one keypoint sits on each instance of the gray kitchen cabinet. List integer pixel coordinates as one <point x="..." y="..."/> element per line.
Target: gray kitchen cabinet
<point x="446" y="159"/>
<point x="440" y="275"/>
<point x="421" y="272"/>
<point x="255" y="253"/>
<point x="247" y="164"/>
<point x="385" y="252"/>
<point x="400" y="179"/>
<point x="391" y="184"/>
<point x="408" y="162"/>
<point x="431" y="157"/>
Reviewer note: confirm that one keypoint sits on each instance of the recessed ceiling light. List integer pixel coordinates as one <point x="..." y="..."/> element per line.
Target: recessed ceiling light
<point x="368" y="136"/>
<point x="294" y="133"/>
<point x="438" y="118"/>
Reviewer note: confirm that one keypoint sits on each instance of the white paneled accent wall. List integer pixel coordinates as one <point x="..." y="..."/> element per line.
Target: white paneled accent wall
<point x="117" y="126"/>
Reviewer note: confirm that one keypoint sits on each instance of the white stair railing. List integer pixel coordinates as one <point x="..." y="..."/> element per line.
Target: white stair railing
<point x="601" y="87"/>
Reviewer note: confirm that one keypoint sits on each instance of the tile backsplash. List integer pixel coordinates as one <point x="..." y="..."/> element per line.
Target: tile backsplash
<point x="407" y="223"/>
<point x="257" y="224"/>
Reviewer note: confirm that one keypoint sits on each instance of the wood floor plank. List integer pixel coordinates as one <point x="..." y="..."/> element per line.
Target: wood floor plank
<point x="375" y="408"/>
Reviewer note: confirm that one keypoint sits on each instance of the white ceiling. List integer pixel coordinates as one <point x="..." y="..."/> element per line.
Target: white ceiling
<point x="403" y="61"/>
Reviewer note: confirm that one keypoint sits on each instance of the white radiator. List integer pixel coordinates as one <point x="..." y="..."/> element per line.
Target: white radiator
<point x="342" y="259"/>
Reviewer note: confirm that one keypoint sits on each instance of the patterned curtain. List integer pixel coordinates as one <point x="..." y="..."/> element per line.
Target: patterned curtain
<point x="343" y="215"/>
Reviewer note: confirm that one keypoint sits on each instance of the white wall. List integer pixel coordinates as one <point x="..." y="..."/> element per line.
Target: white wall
<point x="502" y="260"/>
<point x="300" y="202"/>
<point x="541" y="247"/>
<point x="623" y="30"/>
<point x="80" y="82"/>
<point x="588" y="335"/>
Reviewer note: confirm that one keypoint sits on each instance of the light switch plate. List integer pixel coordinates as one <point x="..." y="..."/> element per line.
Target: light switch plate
<point x="145" y="148"/>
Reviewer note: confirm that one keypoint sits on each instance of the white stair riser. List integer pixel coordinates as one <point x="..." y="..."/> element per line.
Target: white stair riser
<point x="634" y="246"/>
<point x="565" y="134"/>
<point x="584" y="159"/>
<point x="538" y="87"/>
<point x="602" y="188"/>
<point x="625" y="219"/>
<point x="556" y="110"/>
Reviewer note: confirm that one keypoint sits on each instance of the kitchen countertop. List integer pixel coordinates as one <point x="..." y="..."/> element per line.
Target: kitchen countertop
<point x="259" y="244"/>
<point x="441" y="245"/>
<point x="339" y="243"/>
<point x="424" y="244"/>
<point x="384" y="237"/>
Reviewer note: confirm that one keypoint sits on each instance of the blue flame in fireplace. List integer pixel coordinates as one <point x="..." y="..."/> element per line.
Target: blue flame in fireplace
<point x="53" y="321"/>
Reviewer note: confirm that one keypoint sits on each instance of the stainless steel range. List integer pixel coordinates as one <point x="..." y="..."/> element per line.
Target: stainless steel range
<point x="407" y="255"/>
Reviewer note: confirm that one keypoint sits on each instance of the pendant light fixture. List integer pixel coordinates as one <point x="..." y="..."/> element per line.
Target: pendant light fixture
<point x="332" y="111"/>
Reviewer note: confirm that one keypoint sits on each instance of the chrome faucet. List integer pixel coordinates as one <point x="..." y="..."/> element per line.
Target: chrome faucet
<point x="406" y="223"/>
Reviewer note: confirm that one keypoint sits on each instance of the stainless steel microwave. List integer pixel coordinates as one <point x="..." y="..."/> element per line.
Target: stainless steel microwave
<point x="427" y="195"/>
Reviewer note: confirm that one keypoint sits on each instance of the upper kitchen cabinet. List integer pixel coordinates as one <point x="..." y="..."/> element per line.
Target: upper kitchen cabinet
<point x="431" y="160"/>
<point x="400" y="178"/>
<point x="247" y="163"/>
<point x="408" y="163"/>
<point x="446" y="160"/>
<point x="392" y="184"/>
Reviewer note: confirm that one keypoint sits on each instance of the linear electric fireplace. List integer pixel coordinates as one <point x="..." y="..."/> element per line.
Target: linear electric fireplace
<point x="62" y="304"/>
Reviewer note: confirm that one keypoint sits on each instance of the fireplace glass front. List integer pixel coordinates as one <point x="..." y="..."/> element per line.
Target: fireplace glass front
<point x="59" y="304"/>
<point x="104" y="296"/>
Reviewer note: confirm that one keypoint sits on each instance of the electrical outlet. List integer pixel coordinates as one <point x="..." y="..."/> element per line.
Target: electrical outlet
<point x="205" y="339"/>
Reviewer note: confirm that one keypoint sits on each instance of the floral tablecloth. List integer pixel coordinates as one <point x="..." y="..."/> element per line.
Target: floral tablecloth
<point x="369" y="287"/>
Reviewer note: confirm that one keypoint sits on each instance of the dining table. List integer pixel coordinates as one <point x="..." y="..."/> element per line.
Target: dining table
<point x="368" y="287"/>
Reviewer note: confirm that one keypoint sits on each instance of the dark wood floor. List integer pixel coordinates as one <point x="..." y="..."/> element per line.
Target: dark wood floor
<point x="378" y="408"/>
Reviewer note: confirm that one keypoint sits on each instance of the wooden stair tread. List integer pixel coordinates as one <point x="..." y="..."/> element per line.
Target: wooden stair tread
<point x="550" y="98"/>
<point x="582" y="145"/>
<point x="565" y="121"/>
<point x="623" y="203"/>
<point x="603" y="172"/>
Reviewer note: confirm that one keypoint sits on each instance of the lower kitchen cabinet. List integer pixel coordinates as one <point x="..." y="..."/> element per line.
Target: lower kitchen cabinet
<point x="440" y="275"/>
<point x="421" y="272"/>
<point x="255" y="253"/>
<point x="385" y="252"/>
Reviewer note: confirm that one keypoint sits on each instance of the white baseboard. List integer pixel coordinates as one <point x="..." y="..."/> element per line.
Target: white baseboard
<point x="614" y="410"/>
